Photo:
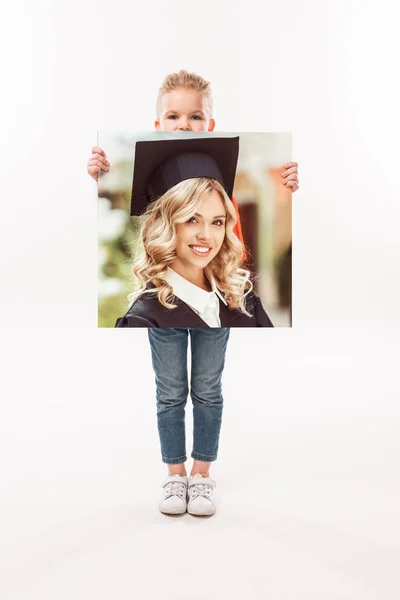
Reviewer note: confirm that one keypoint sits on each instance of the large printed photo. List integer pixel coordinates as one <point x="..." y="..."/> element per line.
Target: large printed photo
<point x="165" y="259"/>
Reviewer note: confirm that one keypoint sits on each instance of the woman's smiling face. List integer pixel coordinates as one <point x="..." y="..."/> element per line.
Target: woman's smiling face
<point x="200" y="239"/>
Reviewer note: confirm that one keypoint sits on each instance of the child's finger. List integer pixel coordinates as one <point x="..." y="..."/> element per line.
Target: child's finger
<point x="98" y="150"/>
<point x="94" y="171"/>
<point x="290" y="164"/>
<point x="294" y="185"/>
<point x="102" y="160"/>
<point x="289" y="171"/>
<point x="291" y="177"/>
<point x="96" y="159"/>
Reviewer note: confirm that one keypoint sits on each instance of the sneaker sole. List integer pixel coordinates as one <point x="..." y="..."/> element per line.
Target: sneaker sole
<point x="172" y="511"/>
<point x="204" y="513"/>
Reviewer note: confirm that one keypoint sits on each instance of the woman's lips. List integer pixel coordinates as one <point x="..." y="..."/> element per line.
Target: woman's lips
<point x="200" y="250"/>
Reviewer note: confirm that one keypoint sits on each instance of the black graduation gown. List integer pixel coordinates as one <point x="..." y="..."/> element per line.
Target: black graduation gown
<point x="147" y="311"/>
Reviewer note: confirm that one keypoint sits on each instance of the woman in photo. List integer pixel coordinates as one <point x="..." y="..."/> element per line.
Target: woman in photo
<point x="189" y="271"/>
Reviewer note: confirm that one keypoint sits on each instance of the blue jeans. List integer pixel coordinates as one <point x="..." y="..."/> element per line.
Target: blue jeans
<point x="169" y="357"/>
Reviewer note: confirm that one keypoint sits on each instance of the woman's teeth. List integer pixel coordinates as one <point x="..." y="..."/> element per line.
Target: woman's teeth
<point x="200" y="249"/>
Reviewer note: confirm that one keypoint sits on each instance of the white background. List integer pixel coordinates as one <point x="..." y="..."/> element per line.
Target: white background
<point x="308" y="473"/>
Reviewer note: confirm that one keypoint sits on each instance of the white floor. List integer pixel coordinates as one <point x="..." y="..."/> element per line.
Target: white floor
<point x="307" y="479"/>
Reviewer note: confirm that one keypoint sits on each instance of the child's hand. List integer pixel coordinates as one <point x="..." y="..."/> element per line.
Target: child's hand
<point x="290" y="177"/>
<point x="97" y="162"/>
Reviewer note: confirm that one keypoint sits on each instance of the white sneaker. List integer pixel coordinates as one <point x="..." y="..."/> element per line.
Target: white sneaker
<point x="200" y="495"/>
<point x="173" y="495"/>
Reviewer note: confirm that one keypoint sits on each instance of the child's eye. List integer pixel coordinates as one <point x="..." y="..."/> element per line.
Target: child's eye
<point x="197" y="117"/>
<point x="172" y="117"/>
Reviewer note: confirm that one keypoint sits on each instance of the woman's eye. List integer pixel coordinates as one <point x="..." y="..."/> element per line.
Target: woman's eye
<point x="219" y="222"/>
<point x="192" y="220"/>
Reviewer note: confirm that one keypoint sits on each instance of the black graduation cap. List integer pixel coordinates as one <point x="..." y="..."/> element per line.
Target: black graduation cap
<point x="161" y="164"/>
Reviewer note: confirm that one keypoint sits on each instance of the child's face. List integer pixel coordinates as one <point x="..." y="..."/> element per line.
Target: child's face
<point x="200" y="239"/>
<point x="184" y="110"/>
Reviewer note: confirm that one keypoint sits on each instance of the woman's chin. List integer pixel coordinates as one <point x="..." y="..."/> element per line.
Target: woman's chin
<point x="198" y="262"/>
<point x="191" y="260"/>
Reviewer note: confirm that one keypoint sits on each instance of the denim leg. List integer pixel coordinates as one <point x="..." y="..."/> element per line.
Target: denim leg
<point x="208" y="358"/>
<point x="169" y="357"/>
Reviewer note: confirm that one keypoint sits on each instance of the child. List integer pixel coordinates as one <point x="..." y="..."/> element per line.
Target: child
<point x="184" y="103"/>
<point x="189" y="273"/>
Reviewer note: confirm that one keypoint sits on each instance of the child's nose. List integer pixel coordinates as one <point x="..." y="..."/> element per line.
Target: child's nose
<point x="184" y="124"/>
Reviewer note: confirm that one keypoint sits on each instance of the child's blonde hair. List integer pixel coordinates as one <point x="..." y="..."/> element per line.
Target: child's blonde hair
<point x="190" y="81"/>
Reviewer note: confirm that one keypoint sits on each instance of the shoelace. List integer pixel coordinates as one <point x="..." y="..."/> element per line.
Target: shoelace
<point x="175" y="488"/>
<point x="200" y="489"/>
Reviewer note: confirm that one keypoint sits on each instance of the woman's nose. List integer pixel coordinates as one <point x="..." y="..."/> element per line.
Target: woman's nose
<point x="204" y="232"/>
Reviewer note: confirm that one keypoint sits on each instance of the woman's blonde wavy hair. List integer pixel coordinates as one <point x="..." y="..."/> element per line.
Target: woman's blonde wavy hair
<point x="158" y="238"/>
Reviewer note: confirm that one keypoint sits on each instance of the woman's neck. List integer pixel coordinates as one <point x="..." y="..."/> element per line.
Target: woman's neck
<point x="194" y="275"/>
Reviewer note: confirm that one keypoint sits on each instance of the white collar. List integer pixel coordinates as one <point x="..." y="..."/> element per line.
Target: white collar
<point x="190" y="293"/>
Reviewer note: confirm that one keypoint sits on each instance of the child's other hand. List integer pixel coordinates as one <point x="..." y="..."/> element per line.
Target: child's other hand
<point x="97" y="162"/>
<point x="290" y="176"/>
